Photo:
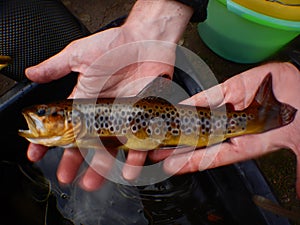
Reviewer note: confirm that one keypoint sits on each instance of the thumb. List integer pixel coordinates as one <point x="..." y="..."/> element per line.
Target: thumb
<point x="51" y="69"/>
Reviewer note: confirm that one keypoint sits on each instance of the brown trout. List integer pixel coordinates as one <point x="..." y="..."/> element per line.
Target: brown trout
<point x="150" y="123"/>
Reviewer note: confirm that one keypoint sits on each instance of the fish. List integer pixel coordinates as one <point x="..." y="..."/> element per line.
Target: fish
<point x="4" y="61"/>
<point x="151" y="122"/>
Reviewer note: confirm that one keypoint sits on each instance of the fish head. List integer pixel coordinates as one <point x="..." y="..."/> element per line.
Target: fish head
<point x="49" y="125"/>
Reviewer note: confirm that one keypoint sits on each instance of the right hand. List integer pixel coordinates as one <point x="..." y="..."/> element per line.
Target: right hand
<point x="239" y="91"/>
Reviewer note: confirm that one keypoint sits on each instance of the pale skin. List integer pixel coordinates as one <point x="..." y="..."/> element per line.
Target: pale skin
<point x="151" y="16"/>
<point x="153" y="20"/>
<point x="239" y="90"/>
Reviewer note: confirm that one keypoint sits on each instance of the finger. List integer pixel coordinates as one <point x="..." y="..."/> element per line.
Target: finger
<point x="36" y="152"/>
<point x="99" y="167"/>
<point x="92" y="180"/>
<point x="212" y="97"/>
<point x="134" y="164"/>
<point x="158" y="155"/>
<point x="239" y="149"/>
<point x="69" y="165"/>
<point x="50" y="69"/>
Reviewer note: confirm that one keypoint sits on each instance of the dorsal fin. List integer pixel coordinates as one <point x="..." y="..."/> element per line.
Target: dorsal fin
<point x="156" y="100"/>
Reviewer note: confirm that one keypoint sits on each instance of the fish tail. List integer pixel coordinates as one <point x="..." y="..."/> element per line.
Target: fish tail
<point x="271" y="113"/>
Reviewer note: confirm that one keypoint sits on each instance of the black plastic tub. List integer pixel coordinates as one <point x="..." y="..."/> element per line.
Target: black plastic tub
<point x="217" y="196"/>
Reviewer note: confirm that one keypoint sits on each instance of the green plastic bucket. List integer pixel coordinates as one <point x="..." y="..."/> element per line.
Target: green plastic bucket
<point x="242" y="35"/>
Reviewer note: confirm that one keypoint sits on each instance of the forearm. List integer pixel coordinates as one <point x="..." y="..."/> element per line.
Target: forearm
<point x="163" y="20"/>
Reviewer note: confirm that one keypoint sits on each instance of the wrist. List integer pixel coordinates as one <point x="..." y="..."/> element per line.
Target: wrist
<point x="163" y="20"/>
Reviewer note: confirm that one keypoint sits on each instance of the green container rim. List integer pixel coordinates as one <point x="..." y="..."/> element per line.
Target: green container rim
<point x="260" y="18"/>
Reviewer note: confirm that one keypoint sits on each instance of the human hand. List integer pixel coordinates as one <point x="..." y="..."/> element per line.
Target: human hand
<point x="240" y="90"/>
<point x="116" y="62"/>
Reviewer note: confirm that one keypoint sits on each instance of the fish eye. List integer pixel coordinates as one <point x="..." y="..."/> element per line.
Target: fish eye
<point x="41" y="112"/>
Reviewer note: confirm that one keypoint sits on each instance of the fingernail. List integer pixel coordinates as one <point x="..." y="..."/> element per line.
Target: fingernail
<point x="30" y="71"/>
<point x="131" y="172"/>
<point x="90" y="184"/>
<point x="31" y="156"/>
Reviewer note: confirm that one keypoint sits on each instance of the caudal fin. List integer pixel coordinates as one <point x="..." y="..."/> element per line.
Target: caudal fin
<point x="271" y="112"/>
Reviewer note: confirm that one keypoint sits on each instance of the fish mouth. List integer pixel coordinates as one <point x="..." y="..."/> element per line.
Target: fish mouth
<point x="32" y="131"/>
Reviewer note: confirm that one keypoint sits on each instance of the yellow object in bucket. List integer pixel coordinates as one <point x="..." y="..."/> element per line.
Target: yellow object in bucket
<point x="281" y="9"/>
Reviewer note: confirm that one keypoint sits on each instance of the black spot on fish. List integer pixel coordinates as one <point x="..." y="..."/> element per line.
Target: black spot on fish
<point x="175" y="132"/>
<point x="202" y="119"/>
<point x="134" y="128"/>
<point x="149" y="131"/>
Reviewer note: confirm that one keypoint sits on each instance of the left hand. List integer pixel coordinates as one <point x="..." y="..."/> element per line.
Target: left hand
<point x="240" y="90"/>
<point x="116" y="62"/>
<point x="103" y="77"/>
